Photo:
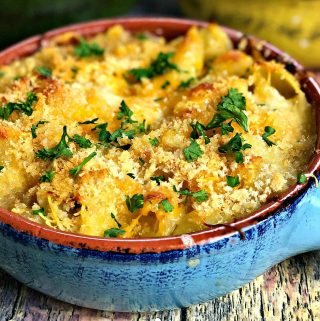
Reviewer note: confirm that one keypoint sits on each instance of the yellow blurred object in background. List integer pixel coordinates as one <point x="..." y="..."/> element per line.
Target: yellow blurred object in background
<point x="293" y="26"/>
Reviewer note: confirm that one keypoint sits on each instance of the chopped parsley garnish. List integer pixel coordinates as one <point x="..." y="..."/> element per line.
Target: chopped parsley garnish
<point x="24" y="107"/>
<point x="81" y="141"/>
<point x="141" y="36"/>
<point x="47" y="177"/>
<point x="159" y="66"/>
<point x="86" y="49"/>
<point x="76" y="170"/>
<point x="74" y="71"/>
<point x="107" y="137"/>
<point x="193" y="151"/>
<point x="115" y="219"/>
<point x="39" y="211"/>
<point x="103" y="134"/>
<point x="154" y="141"/>
<point x="158" y="179"/>
<point x="226" y="128"/>
<point x="1" y="168"/>
<point x="60" y="150"/>
<point x="235" y="145"/>
<point x="143" y="127"/>
<point x="92" y="121"/>
<point x="2" y="74"/>
<point x="199" y="130"/>
<point x="268" y="131"/>
<point x="135" y="202"/>
<point x="141" y="160"/>
<point x="44" y="71"/>
<point x="113" y="232"/>
<point x="126" y="113"/>
<point x="35" y="126"/>
<point x="233" y="181"/>
<point x="121" y="133"/>
<point x="231" y="107"/>
<point x="301" y="178"/>
<point x="167" y="206"/>
<point x="165" y="84"/>
<point x="187" y="83"/>
<point x="131" y="175"/>
<point x="200" y="196"/>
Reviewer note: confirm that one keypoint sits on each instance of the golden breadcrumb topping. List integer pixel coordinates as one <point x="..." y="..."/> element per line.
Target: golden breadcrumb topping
<point x="131" y="135"/>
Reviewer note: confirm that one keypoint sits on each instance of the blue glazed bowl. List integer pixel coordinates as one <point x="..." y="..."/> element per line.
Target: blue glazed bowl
<point x="171" y="272"/>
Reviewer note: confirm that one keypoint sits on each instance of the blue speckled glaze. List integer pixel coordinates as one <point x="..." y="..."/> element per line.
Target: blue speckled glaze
<point x="173" y="279"/>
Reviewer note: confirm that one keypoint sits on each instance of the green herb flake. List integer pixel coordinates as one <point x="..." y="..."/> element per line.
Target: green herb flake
<point x="126" y="113"/>
<point x="166" y="205"/>
<point x="115" y="219"/>
<point x="302" y="178"/>
<point x="87" y="122"/>
<point x="226" y="128"/>
<point x="76" y="170"/>
<point x="24" y="107"/>
<point x="187" y="83"/>
<point x="113" y="232"/>
<point x="60" y="150"/>
<point x="233" y="181"/>
<point x="34" y="127"/>
<point x="268" y="131"/>
<point x="231" y="107"/>
<point x="119" y="133"/>
<point x="199" y="196"/>
<point x="86" y="49"/>
<point x="81" y="141"/>
<point x="159" y="66"/>
<point x="74" y="71"/>
<point x="103" y="133"/>
<point x="165" y="84"/>
<point x="234" y="145"/>
<point x="2" y="74"/>
<point x="141" y="160"/>
<point x="158" y="179"/>
<point x="141" y="36"/>
<point x="199" y="130"/>
<point x="143" y="127"/>
<point x="39" y="211"/>
<point x="44" y="71"/>
<point x="47" y="177"/>
<point x="154" y="141"/>
<point x="135" y="202"/>
<point x="1" y="168"/>
<point x="131" y="175"/>
<point x="193" y="151"/>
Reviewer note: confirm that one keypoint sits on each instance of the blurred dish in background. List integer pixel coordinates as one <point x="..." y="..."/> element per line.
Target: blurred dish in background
<point x="291" y="25"/>
<point x="22" y="18"/>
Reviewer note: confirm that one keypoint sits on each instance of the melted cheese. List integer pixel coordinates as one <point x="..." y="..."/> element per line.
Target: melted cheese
<point x="93" y="87"/>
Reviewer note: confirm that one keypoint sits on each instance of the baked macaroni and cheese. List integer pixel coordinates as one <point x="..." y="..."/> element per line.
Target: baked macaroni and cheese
<point x="131" y="135"/>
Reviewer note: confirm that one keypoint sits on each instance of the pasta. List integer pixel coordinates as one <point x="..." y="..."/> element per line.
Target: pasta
<point x="131" y="135"/>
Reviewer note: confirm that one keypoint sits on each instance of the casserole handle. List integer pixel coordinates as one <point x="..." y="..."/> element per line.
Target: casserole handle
<point x="304" y="234"/>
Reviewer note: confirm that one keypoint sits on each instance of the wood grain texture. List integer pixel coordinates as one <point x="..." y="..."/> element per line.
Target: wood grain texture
<point x="289" y="291"/>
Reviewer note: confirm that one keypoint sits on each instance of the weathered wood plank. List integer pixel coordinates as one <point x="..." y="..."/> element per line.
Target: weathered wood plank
<point x="288" y="292"/>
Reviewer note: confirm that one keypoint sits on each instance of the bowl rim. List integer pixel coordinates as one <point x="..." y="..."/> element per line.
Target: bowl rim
<point x="166" y="26"/>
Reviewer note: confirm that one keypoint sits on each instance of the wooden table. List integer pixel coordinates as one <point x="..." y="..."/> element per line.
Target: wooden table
<point x="289" y="291"/>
